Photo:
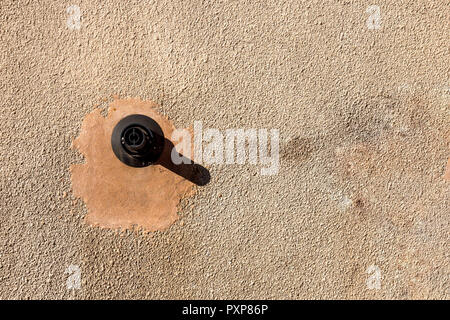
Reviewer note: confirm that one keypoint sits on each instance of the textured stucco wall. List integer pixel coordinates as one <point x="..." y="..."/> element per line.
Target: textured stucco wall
<point x="363" y="116"/>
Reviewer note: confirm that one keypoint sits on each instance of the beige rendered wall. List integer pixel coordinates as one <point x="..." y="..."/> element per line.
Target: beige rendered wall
<point x="359" y="207"/>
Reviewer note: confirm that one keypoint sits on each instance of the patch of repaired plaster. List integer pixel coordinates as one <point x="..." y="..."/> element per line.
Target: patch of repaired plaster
<point x="116" y="195"/>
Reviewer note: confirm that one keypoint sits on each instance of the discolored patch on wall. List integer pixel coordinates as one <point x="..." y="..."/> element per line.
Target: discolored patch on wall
<point x="118" y="196"/>
<point x="447" y="171"/>
<point x="297" y="149"/>
<point x="387" y="153"/>
<point x="367" y="118"/>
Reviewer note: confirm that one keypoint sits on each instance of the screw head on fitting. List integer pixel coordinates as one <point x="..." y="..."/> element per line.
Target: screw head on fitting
<point x="137" y="140"/>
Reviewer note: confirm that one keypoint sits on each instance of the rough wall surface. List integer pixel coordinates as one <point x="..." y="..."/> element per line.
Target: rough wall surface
<point x="363" y="115"/>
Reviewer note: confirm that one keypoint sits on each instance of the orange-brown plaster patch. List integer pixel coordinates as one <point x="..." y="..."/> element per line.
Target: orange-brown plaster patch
<point x="116" y="195"/>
